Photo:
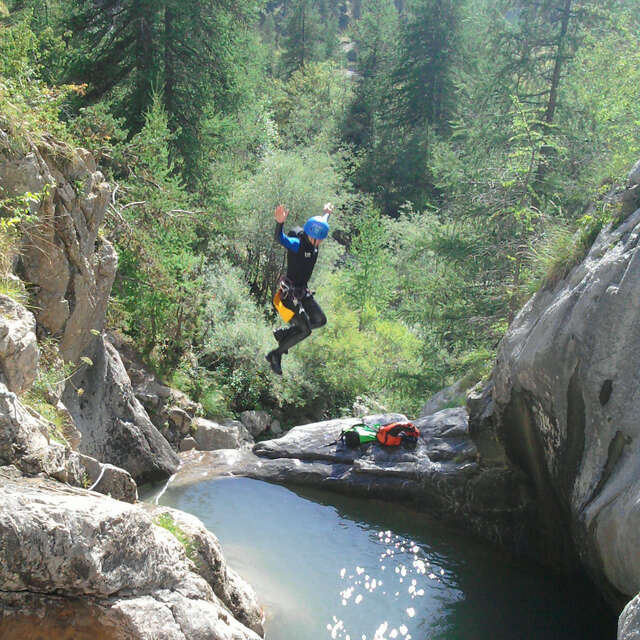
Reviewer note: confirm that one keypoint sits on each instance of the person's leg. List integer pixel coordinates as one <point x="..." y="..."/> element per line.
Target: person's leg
<point x="316" y="315"/>
<point x="299" y="330"/>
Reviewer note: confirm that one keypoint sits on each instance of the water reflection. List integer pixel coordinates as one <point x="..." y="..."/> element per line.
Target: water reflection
<point x="329" y="566"/>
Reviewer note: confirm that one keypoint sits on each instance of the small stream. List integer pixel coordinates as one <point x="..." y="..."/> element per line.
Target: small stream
<point x="329" y="566"/>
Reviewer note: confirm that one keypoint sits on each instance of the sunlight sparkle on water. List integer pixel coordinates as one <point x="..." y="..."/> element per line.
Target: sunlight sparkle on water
<point x="409" y="563"/>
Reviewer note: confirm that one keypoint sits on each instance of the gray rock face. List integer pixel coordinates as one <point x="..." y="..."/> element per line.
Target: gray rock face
<point x="206" y="555"/>
<point x="256" y="422"/>
<point x="211" y="435"/>
<point x="75" y="555"/>
<point x="171" y="411"/>
<point x="629" y="621"/>
<point x="19" y="352"/>
<point x="447" y="397"/>
<point x="441" y="474"/>
<point x="70" y="267"/>
<point x="634" y="174"/>
<point x="567" y="404"/>
<point x="115" y="427"/>
<point x="24" y="443"/>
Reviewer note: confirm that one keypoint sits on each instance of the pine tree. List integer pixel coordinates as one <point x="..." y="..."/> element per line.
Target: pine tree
<point x="124" y="49"/>
<point x="424" y="76"/>
<point x="301" y="35"/>
<point x="375" y="39"/>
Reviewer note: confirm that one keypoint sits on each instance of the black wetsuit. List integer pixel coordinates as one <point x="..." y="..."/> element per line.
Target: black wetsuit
<point x="301" y="259"/>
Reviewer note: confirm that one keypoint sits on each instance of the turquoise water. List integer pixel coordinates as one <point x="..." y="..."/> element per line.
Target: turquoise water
<point x="327" y="566"/>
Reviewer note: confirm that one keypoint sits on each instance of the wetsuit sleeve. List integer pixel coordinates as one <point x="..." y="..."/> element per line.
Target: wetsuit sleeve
<point x="291" y="244"/>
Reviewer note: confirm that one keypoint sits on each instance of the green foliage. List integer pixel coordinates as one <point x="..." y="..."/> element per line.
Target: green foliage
<point x="28" y="107"/>
<point x="12" y="289"/>
<point x="344" y="360"/>
<point x="235" y="337"/>
<point x="96" y="128"/>
<point x="158" y="285"/>
<point x="483" y="130"/>
<point x="601" y="119"/>
<point x="166" y="521"/>
<point x="186" y="49"/>
<point x="302" y="32"/>
<point x="424" y="74"/>
<point x="555" y="253"/>
<point x="369" y="280"/>
<point x="309" y="105"/>
<point x="375" y="37"/>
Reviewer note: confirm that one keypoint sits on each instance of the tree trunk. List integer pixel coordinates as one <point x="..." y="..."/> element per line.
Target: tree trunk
<point x="550" y="111"/>
<point x="169" y="61"/>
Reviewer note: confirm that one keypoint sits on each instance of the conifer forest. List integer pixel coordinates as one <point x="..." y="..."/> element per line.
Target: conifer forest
<point x="470" y="147"/>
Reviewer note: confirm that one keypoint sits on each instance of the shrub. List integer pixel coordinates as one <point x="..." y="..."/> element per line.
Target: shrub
<point x="166" y="521"/>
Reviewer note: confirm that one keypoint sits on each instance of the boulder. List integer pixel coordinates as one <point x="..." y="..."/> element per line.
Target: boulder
<point x="634" y="174"/>
<point x="206" y="555"/>
<point x="170" y="410"/>
<point x="274" y="428"/>
<point x="567" y="401"/>
<point x="19" y="352"/>
<point x="115" y="427"/>
<point x="440" y="475"/>
<point x="629" y="621"/>
<point x="25" y="444"/>
<point x="82" y="558"/>
<point x="186" y="444"/>
<point x="210" y="435"/>
<point x="180" y="420"/>
<point x="453" y="395"/>
<point x="256" y="422"/>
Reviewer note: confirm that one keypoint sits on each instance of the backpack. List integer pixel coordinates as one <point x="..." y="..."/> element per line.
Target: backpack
<point x="397" y="433"/>
<point x="359" y="434"/>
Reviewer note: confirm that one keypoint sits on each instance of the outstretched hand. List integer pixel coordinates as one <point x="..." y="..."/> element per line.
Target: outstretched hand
<point x="281" y="214"/>
<point x="328" y="208"/>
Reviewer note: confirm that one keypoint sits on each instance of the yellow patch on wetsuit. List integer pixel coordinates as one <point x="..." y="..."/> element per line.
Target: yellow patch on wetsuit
<point x="285" y="313"/>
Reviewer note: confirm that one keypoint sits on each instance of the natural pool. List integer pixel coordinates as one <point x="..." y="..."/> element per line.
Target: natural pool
<point x="329" y="566"/>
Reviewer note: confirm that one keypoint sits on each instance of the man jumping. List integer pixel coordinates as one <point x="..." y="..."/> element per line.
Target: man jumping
<point x="302" y="253"/>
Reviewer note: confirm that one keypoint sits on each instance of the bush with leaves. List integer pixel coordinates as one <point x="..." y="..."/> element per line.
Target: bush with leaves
<point x="301" y="180"/>
<point x="235" y="337"/>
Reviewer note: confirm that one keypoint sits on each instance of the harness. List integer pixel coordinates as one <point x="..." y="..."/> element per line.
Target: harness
<point x="290" y="293"/>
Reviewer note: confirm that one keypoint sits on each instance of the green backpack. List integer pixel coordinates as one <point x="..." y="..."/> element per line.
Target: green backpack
<point x="359" y="434"/>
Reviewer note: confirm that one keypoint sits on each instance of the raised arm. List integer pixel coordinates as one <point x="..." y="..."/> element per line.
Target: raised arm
<point x="292" y="244"/>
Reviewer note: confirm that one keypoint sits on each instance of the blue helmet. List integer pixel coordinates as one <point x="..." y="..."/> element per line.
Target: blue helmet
<point x="317" y="227"/>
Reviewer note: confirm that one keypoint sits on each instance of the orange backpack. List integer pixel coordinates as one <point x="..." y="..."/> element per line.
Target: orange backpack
<point x="397" y="433"/>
